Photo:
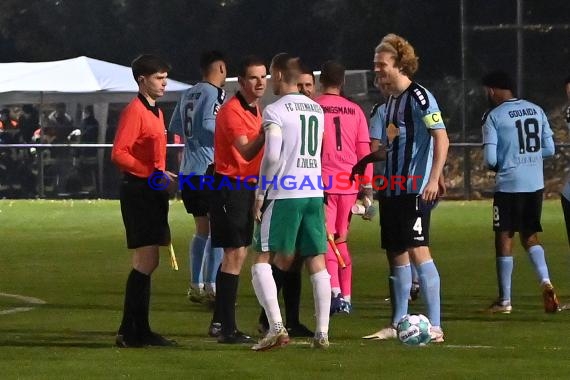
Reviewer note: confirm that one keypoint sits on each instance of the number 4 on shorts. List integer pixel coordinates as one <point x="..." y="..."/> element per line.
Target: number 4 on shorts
<point x="418" y="226"/>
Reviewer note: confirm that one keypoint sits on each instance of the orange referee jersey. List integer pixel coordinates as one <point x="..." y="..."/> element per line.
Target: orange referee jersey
<point x="236" y="118"/>
<point x="140" y="142"/>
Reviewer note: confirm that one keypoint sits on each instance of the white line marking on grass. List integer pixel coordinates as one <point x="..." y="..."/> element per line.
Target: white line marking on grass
<point x="477" y="346"/>
<point x="482" y="347"/>
<point x="292" y="342"/>
<point x="31" y="300"/>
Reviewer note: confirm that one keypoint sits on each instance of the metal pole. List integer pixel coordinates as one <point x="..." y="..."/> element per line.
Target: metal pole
<point x="466" y="158"/>
<point x="520" y="48"/>
<point x="41" y="173"/>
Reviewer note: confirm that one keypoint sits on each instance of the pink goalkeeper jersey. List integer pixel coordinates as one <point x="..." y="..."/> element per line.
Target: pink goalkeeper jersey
<point x="346" y="140"/>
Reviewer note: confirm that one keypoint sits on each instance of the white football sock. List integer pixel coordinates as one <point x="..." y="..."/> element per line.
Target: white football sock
<point x="322" y="296"/>
<point x="266" y="292"/>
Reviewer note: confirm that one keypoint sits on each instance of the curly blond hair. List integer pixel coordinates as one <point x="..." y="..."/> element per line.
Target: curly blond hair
<point x="403" y="51"/>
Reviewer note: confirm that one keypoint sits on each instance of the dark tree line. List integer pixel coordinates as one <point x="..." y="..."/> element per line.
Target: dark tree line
<point x="117" y="30"/>
<point x="317" y="30"/>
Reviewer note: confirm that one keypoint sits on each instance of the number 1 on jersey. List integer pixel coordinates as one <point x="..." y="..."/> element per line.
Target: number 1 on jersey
<point x="337" y="130"/>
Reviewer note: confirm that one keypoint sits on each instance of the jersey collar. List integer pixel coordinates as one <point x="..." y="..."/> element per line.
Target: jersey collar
<point x="153" y="109"/>
<point x="245" y="105"/>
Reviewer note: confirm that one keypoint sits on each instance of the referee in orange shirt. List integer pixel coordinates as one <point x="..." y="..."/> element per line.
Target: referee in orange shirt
<point x="139" y="151"/>
<point x="238" y="145"/>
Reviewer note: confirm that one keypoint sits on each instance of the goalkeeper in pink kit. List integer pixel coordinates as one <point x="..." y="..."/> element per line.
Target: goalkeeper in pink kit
<point x="346" y="140"/>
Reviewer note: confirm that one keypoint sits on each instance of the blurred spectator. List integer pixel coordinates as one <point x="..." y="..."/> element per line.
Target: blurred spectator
<point x="7" y="127"/>
<point x="59" y="125"/>
<point x="89" y="126"/>
<point x="29" y="122"/>
<point x="6" y="121"/>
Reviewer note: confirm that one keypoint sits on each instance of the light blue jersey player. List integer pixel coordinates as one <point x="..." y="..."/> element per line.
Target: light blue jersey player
<point x="377" y="131"/>
<point x="377" y="121"/>
<point x="194" y="119"/>
<point x="409" y="118"/>
<point x="415" y="145"/>
<point x="516" y="138"/>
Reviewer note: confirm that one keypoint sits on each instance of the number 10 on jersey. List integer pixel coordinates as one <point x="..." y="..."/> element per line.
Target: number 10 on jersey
<point x="309" y="135"/>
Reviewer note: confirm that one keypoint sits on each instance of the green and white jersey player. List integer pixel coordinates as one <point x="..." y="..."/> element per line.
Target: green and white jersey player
<point x="293" y="217"/>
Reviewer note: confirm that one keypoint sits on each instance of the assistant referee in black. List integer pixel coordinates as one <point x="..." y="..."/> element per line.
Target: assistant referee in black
<point x="139" y="151"/>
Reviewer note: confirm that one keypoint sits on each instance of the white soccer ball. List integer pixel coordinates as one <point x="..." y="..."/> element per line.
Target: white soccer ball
<point x="413" y="329"/>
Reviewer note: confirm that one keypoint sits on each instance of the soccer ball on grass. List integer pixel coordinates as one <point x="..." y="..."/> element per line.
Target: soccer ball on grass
<point x="413" y="329"/>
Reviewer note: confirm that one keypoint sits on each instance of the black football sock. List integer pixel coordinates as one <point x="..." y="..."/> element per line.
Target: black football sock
<point x="143" y="322"/>
<point x="279" y="276"/>
<point x="229" y="287"/>
<point x="263" y="319"/>
<point x="133" y="294"/>
<point x="292" y="297"/>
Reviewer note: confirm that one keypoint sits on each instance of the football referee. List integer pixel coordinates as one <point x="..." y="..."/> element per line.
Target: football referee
<point x="139" y="151"/>
<point x="238" y="147"/>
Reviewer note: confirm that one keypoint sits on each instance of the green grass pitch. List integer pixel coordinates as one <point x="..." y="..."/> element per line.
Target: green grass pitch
<point x="72" y="255"/>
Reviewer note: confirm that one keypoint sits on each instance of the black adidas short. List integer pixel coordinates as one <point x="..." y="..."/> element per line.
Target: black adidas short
<point x="145" y="213"/>
<point x="517" y="212"/>
<point x="404" y="224"/>
<point x="566" y="210"/>
<point x="196" y="197"/>
<point x="231" y="215"/>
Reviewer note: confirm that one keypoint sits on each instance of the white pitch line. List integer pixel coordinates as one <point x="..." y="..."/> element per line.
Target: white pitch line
<point x="477" y="346"/>
<point x="30" y="300"/>
<point x="292" y="342"/>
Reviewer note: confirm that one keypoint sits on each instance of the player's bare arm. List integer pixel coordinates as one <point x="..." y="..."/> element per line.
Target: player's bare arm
<point x="442" y="186"/>
<point x="360" y="166"/>
<point x="440" y="147"/>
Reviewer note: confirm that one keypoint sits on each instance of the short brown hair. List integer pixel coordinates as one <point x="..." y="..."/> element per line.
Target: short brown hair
<point x="403" y="51"/>
<point x="332" y="74"/>
<point x="248" y="61"/>
<point x="306" y="70"/>
<point x="147" y="64"/>
<point x="289" y="66"/>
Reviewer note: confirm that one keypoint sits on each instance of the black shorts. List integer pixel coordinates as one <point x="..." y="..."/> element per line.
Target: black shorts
<point x="566" y="210"/>
<point x="231" y="214"/>
<point x="196" y="197"/>
<point x="145" y="213"/>
<point x="404" y="223"/>
<point x="517" y="212"/>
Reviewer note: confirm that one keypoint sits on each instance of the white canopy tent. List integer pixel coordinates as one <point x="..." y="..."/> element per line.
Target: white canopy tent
<point x="80" y="80"/>
<point x="77" y="80"/>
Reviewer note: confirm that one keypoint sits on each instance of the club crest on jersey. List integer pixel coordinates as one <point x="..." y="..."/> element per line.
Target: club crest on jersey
<point x="392" y="132"/>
